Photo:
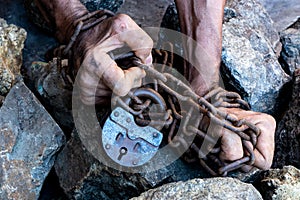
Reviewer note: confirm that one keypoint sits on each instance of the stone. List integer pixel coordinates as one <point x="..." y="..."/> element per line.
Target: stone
<point x="283" y="12"/>
<point x="146" y="15"/>
<point x="213" y="188"/>
<point x="287" y="136"/>
<point x="112" y="5"/>
<point x="54" y="90"/>
<point x="11" y="44"/>
<point x="30" y="140"/>
<point x="277" y="184"/>
<point x="290" y="54"/>
<point x="83" y="177"/>
<point x="250" y="65"/>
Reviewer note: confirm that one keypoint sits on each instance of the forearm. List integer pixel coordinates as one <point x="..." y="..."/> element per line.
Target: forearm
<point x="62" y="13"/>
<point x="202" y="21"/>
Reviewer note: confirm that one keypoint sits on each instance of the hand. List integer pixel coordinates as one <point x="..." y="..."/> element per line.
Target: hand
<point x="231" y="143"/>
<point x="99" y="75"/>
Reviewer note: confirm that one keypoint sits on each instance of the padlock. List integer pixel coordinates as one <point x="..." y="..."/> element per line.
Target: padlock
<point x="126" y="143"/>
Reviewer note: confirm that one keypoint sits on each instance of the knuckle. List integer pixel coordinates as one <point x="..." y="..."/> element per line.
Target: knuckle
<point x="123" y="17"/>
<point x="268" y="121"/>
<point x="121" y="22"/>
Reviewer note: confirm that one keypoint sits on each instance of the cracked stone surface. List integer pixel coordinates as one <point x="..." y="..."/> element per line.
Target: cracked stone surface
<point x="278" y="184"/>
<point x="214" y="188"/>
<point x="29" y="139"/>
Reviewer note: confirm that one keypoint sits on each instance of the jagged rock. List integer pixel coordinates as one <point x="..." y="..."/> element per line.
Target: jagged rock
<point x="11" y="44"/>
<point x="146" y="13"/>
<point x="287" y="148"/>
<point x="84" y="177"/>
<point x="55" y="90"/>
<point x="277" y="184"/>
<point x="30" y="140"/>
<point x="250" y="64"/>
<point x="290" y="55"/>
<point x="91" y="5"/>
<point x="214" y="188"/>
<point x="283" y="12"/>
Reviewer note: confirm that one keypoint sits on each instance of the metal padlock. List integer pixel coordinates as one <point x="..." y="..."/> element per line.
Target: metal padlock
<point x="125" y="142"/>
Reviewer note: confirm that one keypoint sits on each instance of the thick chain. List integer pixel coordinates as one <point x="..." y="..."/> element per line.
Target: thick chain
<point x="206" y="146"/>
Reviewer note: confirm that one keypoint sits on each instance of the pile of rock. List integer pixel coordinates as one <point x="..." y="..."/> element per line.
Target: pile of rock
<point x="33" y="142"/>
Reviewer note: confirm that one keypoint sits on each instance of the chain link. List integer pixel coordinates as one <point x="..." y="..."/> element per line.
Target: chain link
<point x="206" y="146"/>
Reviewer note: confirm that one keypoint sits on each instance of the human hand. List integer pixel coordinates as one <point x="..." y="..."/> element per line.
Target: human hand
<point x="99" y="75"/>
<point x="231" y="143"/>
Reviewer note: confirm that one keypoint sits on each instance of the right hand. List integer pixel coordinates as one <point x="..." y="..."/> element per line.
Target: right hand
<point x="99" y="75"/>
<point x="231" y="144"/>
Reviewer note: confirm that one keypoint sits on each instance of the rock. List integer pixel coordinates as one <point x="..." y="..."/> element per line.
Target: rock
<point x="11" y="44"/>
<point x="144" y="14"/>
<point x="250" y="64"/>
<point x="277" y="184"/>
<point x="55" y="91"/>
<point x="287" y="148"/>
<point x="30" y="140"/>
<point x="214" y="188"/>
<point x="283" y="12"/>
<point x="84" y="177"/>
<point x="112" y="5"/>
<point x="290" y="54"/>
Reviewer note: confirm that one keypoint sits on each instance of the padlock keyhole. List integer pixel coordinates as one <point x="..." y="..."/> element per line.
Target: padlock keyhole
<point x="123" y="151"/>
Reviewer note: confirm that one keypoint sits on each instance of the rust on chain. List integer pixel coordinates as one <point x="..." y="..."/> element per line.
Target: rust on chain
<point x="171" y="116"/>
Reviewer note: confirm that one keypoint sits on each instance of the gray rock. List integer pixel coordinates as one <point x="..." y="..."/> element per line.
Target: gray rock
<point x="277" y="184"/>
<point x="55" y="91"/>
<point x="283" y="12"/>
<point x="214" y="188"/>
<point x="250" y="64"/>
<point x="29" y="140"/>
<point x="143" y="13"/>
<point x="290" y="54"/>
<point x="287" y="148"/>
<point x="84" y="177"/>
<point x="11" y="44"/>
<point x="112" y="5"/>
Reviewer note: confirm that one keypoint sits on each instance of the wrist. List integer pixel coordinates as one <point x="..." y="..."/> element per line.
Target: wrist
<point x="65" y="20"/>
<point x="63" y="14"/>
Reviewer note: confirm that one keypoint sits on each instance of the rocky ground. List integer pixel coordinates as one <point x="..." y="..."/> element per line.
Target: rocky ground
<point x="42" y="157"/>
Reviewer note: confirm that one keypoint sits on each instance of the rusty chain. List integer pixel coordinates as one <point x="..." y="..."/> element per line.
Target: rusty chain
<point x="169" y="116"/>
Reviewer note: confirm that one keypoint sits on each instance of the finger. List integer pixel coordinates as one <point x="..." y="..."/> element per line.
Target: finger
<point x="231" y="146"/>
<point x="99" y="93"/>
<point x="94" y="100"/>
<point x="136" y="38"/>
<point x="264" y="151"/>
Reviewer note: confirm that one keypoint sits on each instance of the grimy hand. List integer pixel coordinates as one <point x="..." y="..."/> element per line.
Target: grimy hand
<point x="100" y="75"/>
<point x="231" y="144"/>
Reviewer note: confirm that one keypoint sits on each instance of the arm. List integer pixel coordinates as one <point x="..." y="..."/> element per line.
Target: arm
<point x="62" y="14"/>
<point x="202" y="21"/>
<point x="99" y="74"/>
